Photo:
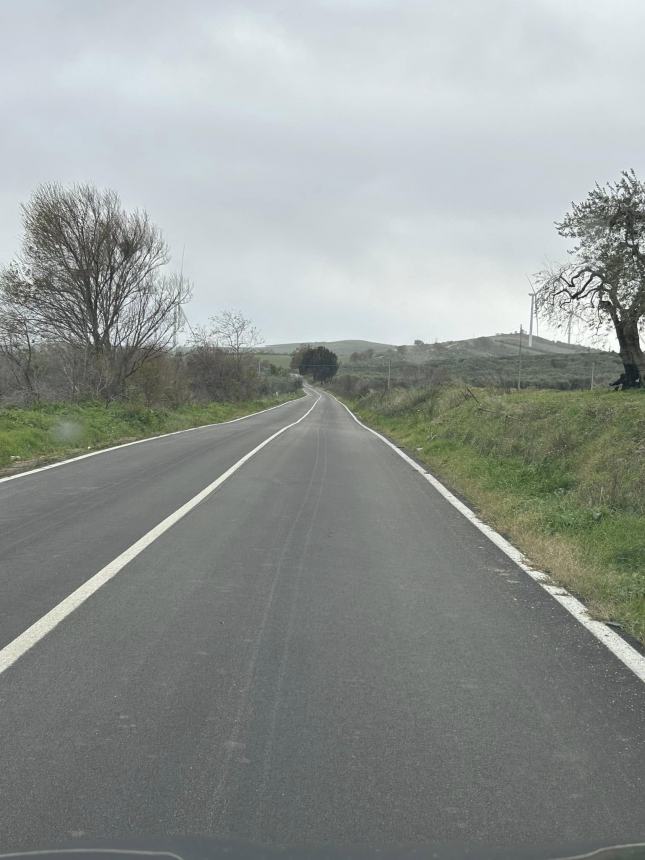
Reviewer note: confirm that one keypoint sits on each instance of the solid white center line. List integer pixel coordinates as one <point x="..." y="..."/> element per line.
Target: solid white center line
<point x="23" y="643"/>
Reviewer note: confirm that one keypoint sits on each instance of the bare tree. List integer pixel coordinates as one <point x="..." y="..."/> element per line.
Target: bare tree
<point x="234" y="333"/>
<point x="219" y="364"/>
<point x="18" y="346"/>
<point x="603" y="284"/>
<point x="89" y="275"/>
<point x="70" y="371"/>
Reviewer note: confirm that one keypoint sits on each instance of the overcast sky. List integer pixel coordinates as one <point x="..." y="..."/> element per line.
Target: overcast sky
<point x="377" y="169"/>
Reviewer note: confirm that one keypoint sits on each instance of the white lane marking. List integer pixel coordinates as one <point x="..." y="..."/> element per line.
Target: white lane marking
<point x="137" y="851"/>
<point x="141" y="441"/>
<point x="615" y="643"/>
<point x="26" y="640"/>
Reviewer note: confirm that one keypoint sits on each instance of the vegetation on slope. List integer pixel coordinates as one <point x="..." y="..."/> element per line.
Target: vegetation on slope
<point x="562" y="474"/>
<point x="54" y="431"/>
<point x="574" y="371"/>
<point x="342" y="348"/>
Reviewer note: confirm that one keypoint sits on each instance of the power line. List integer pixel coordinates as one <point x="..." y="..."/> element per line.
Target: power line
<point x="179" y="317"/>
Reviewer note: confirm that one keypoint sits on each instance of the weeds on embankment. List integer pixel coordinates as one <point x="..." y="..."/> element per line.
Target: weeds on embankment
<point x="30" y="437"/>
<point x="562" y="474"/>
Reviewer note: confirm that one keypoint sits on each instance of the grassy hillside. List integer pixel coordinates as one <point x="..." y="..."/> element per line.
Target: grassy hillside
<point x="482" y="361"/>
<point x="50" y="432"/>
<point x="546" y="370"/>
<point x="562" y="474"/>
<point x="492" y="346"/>
<point x="342" y="348"/>
<point x="278" y="359"/>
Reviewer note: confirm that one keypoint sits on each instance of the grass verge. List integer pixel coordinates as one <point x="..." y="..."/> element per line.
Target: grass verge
<point x="561" y="474"/>
<point x="33" y="437"/>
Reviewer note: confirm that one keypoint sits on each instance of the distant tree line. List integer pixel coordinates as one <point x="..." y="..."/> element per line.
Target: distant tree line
<point x="88" y="310"/>
<point x="580" y="370"/>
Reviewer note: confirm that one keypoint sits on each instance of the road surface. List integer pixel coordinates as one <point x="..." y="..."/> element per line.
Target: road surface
<point x="322" y="651"/>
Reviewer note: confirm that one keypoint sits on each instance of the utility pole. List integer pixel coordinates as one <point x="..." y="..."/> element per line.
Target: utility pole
<point x="178" y="313"/>
<point x="533" y="313"/>
<point x="175" y="328"/>
<point x="389" y="372"/>
<point x="519" y="370"/>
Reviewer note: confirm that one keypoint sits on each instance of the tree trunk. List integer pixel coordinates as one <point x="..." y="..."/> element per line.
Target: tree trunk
<point x="631" y="353"/>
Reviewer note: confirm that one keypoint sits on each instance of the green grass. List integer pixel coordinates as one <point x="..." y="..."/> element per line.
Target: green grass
<point x="275" y="358"/>
<point x="55" y="431"/>
<point x="557" y="371"/>
<point x="562" y="474"/>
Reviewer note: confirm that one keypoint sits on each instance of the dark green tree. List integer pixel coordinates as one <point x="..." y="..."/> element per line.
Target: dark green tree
<point x="318" y="362"/>
<point x="297" y="355"/>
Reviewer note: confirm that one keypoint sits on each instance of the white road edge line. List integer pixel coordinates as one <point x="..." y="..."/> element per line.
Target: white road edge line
<point x="615" y="643"/>
<point x="32" y="635"/>
<point x="141" y="441"/>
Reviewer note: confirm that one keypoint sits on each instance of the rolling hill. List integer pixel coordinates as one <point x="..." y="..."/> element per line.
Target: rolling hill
<point x="342" y="348"/>
<point x="485" y="361"/>
<point x="492" y="346"/>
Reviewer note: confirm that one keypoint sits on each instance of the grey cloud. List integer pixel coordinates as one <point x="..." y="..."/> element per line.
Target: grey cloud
<point x="383" y="169"/>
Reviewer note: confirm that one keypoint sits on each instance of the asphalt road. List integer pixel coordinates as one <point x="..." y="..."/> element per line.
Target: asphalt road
<point x="322" y="651"/>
